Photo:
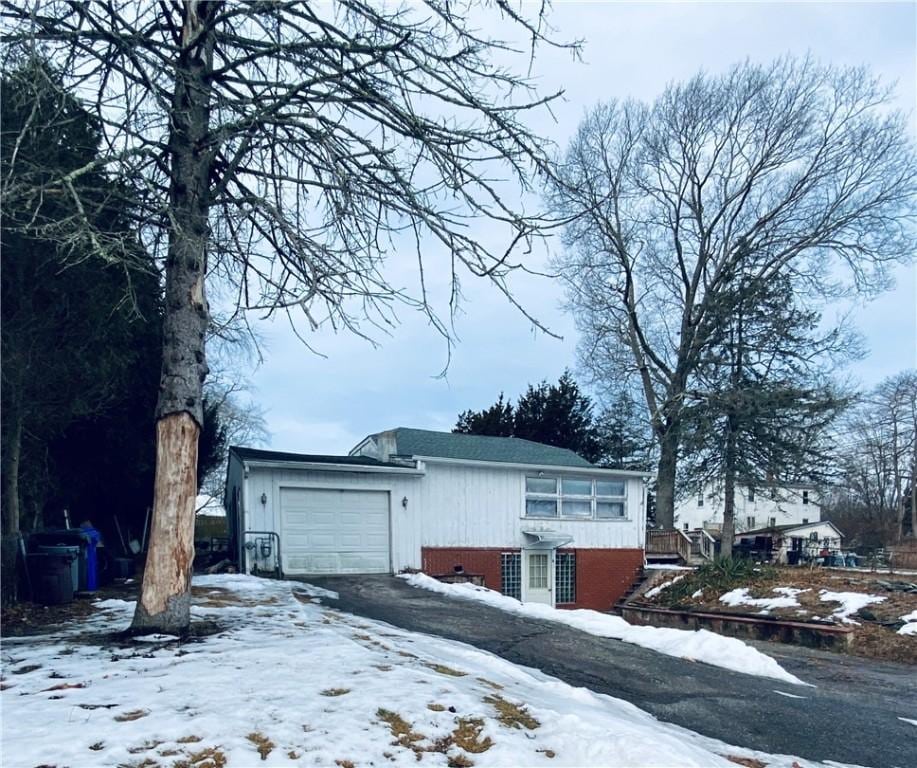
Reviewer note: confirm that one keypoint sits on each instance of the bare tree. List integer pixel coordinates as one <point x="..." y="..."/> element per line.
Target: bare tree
<point x="879" y="455"/>
<point x="790" y="168"/>
<point x="290" y="148"/>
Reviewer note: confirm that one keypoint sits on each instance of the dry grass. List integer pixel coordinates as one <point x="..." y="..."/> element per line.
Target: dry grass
<point x="444" y="670"/>
<point x="147" y="762"/>
<point x="294" y="755"/>
<point x="189" y="739"/>
<point x="134" y="714"/>
<point x="344" y="763"/>
<point x="262" y="743"/>
<point x="512" y="715"/>
<point x="210" y="757"/>
<point x="467" y="735"/>
<point x="748" y="762"/>
<point x="335" y="691"/>
<point x="405" y="735"/>
<point x="145" y="747"/>
<point x="459" y="761"/>
<point x="874" y="637"/>
<point x="547" y="753"/>
<point x="436" y="707"/>
<point x="64" y="687"/>
<point x="491" y="683"/>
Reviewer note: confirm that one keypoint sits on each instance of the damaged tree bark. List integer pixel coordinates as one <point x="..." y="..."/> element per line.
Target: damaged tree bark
<point x="164" y="604"/>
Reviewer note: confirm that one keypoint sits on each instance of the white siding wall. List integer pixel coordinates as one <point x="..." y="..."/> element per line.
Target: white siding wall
<point x="468" y="506"/>
<point x="784" y="504"/>
<point x="451" y="505"/>
<point x="405" y="527"/>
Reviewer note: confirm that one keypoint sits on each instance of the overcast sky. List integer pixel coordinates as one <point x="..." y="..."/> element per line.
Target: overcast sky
<point x="326" y="405"/>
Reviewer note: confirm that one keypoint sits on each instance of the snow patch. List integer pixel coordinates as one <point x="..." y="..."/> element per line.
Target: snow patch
<point x="665" y="585"/>
<point x="700" y="645"/>
<point x="789" y="695"/>
<point x="850" y="602"/>
<point x="740" y="596"/>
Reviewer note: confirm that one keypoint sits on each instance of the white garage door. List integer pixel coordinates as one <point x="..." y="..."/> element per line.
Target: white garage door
<point x="334" y="531"/>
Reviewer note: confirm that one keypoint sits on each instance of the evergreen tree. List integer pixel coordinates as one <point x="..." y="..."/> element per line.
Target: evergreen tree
<point x="497" y="420"/>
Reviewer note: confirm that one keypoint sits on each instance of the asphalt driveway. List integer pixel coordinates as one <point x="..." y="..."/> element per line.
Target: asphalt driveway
<point x="852" y="715"/>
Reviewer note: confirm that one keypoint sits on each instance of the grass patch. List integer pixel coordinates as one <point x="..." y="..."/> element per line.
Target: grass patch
<point x="145" y="747"/>
<point x="262" y="743"/>
<point x="459" y="761"/>
<point x="748" y="762"/>
<point x="512" y="715"/>
<point x="211" y="757"/>
<point x="405" y="735"/>
<point x="444" y="670"/>
<point x="147" y="762"/>
<point x="436" y="707"/>
<point x="344" y="763"/>
<point x="189" y="739"/>
<point x="722" y="575"/>
<point x="134" y="714"/>
<point x="335" y="691"/>
<point x="467" y="735"/>
<point x="491" y="683"/>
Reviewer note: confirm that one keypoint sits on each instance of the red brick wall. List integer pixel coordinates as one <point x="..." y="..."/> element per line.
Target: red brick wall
<point x="437" y="561"/>
<point x="602" y="575"/>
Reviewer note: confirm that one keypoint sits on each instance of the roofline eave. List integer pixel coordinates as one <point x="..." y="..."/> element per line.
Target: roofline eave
<point x="589" y="470"/>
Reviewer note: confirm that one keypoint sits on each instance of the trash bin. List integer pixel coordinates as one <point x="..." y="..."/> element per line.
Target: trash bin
<point x="51" y="576"/>
<point x="85" y="540"/>
<point x="70" y="555"/>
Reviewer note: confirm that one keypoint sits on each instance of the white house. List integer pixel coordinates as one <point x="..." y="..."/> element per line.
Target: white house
<point x="768" y="505"/>
<point x="793" y="542"/>
<point x="534" y="521"/>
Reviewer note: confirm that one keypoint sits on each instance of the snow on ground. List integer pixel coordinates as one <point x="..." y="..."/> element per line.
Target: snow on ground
<point x="910" y="626"/>
<point x="850" y="602"/>
<point x="787" y="598"/>
<point x="288" y="681"/>
<point x="666" y="567"/>
<point x="700" y="645"/>
<point x="665" y="585"/>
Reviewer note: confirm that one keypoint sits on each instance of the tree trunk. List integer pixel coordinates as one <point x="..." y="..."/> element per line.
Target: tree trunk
<point x="164" y="604"/>
<point x="727" y="536"/>
<point x="665" y="479"/>
<point x="9" y="543"/>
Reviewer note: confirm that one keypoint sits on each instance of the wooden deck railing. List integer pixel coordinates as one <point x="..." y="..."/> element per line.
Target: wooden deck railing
<point x="668" y="542"/>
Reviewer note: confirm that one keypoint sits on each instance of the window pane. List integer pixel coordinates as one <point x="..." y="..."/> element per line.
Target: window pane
<point x="609" y="488"/>
<point x="576" y="508"/>
<point x="573" y="487"/>
<point x="541" y="508"/>
<point x="511" y="574"/>
<point x="541" y="484"/>
<point x="609" y="509"/>
<point x="538" y="571"/>
<point x="565" y="577"/>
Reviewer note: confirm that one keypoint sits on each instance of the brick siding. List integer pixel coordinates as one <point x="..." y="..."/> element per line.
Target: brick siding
<point x="602" y="575"/>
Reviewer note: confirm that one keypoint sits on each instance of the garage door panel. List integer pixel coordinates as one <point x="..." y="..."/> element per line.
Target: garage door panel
<point x="334" y="531"/>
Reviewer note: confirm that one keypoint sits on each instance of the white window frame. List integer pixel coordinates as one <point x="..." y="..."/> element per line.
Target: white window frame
<point x="558" y="498"/>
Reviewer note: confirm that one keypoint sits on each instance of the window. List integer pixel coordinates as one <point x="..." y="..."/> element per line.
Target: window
<point x="805" y="497"/>
<point x="805" y="520"/>
<point x="511" y="574"/>
<point x="773" y="522"/>
<point x="751" y="494"/>
<point x="686" y="526"/>
<point x="750" y="521"/>
<point x="565" y="577"/>
<point x="700" y="500"/>
<point x="538" y="571"/>
<point x="575" y="498"/>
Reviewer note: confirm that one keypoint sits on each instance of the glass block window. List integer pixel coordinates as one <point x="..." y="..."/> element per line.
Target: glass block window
<point x="565" y="577"/>
<point x="511" y="574"/>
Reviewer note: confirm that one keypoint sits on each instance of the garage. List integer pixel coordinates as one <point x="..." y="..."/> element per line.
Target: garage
<point x="331" y="531"/>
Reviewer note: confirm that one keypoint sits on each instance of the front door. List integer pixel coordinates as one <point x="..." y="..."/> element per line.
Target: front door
<point x="539" y="576"/>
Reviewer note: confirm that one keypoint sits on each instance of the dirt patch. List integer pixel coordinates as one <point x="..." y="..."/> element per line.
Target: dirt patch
<point x="262" y="743"/>
<point x="512" y="715"/>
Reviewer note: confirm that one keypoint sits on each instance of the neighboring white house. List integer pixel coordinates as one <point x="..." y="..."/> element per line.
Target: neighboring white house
<point x="808" y="541"/>
<point x="534" y="521"/>
<point x="759" y="507"/>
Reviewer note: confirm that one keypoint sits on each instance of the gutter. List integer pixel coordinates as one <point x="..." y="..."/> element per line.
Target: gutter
<point x="539" y="467"/>
<point x="330" y="467"/>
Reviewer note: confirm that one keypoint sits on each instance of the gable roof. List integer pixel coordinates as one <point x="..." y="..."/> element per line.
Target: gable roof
<point x="785" y="527"/>
<point x="256" y="454"/>
<point x="510" y="450"/>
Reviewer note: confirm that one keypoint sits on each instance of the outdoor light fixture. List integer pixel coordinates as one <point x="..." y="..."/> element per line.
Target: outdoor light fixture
<point x="264" y="498"/>
<point x="404" y="502"/>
